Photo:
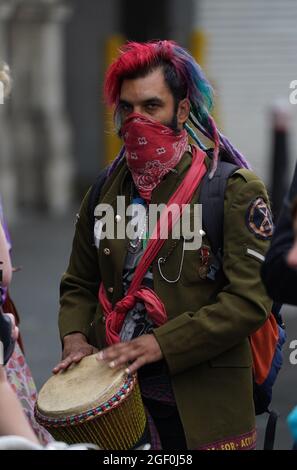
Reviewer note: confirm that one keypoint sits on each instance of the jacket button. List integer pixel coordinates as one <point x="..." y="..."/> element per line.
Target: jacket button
<point x="106" y="251"/>
<point x="103" y="319"/>
<point x="110" y="289"/>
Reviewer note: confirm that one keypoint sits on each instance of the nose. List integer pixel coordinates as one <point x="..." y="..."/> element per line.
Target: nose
<point x="138" y="110"/>
<point x="135" y="109"/>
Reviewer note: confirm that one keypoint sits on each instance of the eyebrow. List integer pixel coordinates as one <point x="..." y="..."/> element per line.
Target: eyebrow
<point x="153" y="100"/>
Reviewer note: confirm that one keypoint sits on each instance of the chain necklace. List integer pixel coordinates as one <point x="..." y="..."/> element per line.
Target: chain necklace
<point x="134" y="245"/>
<point x="141" y="235"/>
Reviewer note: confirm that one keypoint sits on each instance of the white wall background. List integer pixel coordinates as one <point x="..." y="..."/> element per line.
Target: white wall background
<point x="251" y="58"/>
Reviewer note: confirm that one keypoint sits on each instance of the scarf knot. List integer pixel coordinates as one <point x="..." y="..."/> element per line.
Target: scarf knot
<point x="114" y="317"/>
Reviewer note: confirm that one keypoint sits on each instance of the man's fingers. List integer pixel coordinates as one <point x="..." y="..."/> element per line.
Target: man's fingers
<point x="78" y="357"/>
<point x="112" y="353"/>
<point x="64" y="364"/>
<point x="138" y="352"/>
<point x="73" y="357"/>
<point x="68" y="361"/>
<point x="68" y="353"/>
<point x="61" y="366"/>
<point x="130" y="355"/>
<point x="57" y="368"/>
<point x="121" y="360"/>
<point x="140" y="361"/>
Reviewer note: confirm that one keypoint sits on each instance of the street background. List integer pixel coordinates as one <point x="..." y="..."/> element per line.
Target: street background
<point x="56" y="133"/>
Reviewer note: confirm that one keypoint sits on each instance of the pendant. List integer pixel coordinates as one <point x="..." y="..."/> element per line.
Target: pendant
<point x="134" y="246"/>
<point x="205" y="261"/>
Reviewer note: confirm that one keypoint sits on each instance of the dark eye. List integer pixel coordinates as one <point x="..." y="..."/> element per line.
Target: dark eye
<point x="152" y="106"/>
<point x="125" y="107"/>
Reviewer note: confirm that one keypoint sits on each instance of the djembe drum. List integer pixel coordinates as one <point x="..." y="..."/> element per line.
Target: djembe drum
<point x="90" y="402"/>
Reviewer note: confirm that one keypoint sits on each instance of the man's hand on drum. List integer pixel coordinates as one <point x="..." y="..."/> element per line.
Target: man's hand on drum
<point x="137" y="352"/>
<point x="75" y="348"/>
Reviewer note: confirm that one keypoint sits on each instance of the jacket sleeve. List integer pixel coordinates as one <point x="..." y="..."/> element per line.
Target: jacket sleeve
<point x="80" y="283"/>
<point x="242" y="306"/>
<point x="279" y="278"/>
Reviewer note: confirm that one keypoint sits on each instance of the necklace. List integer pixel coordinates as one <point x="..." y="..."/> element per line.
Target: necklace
<point x="135" y="243"/>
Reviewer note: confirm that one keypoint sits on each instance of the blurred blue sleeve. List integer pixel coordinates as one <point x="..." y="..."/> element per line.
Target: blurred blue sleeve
<point x="292" y="422"/>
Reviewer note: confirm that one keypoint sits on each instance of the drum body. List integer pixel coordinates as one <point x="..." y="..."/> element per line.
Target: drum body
<point x="90" y="402"/>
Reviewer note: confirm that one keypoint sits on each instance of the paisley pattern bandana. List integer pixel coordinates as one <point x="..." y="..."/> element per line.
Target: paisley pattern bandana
<point x="152" y="150"/>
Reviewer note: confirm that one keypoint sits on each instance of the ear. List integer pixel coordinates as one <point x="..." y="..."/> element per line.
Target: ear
<point x="183" y="112"/>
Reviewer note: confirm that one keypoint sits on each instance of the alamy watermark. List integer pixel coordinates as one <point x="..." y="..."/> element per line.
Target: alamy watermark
<point x="293" y="94"/>
<point x="293" y="355"/>
<point x="136" y="222"/>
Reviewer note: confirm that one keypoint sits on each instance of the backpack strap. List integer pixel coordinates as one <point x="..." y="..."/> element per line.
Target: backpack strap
<point x="95" y="194"/>
<point x="212" y="199"/>
<point x="270" y="431"/>
<point x="212" y="196"/>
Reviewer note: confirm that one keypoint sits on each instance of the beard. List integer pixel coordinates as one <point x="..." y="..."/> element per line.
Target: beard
<point x="173" y="124"/>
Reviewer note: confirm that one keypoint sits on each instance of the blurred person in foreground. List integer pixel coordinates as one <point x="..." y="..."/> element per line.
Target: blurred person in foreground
<point x="186" y="335"/>
<point x="16" y="375"/>
<point x="292" y="255"/>
<point x="279" y="270"/>
<point x="12" y="417"/>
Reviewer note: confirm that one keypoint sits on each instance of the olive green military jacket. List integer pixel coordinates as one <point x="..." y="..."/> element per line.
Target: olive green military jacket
<point x="205" y="340"/>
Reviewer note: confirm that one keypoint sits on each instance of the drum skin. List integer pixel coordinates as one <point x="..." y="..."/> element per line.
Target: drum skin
<point x="91" y="402"/>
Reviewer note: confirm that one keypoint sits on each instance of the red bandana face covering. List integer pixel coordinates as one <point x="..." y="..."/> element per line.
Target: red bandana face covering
<point x="152" y="150"/>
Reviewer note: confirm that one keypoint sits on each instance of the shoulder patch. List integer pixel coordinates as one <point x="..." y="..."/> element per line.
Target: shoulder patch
<point x="259" y="219"/>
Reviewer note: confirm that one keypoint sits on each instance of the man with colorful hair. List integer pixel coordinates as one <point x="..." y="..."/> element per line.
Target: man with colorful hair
<point x="159" y="309"/>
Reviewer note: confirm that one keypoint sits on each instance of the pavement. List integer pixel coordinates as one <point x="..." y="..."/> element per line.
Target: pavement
<point x="41" y="245"/>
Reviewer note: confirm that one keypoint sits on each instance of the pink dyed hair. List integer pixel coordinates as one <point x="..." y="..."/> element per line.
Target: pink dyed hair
<point x="133" y="57"/>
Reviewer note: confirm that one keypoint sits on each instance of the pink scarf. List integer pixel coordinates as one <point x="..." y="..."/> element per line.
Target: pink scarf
<point x="152" y="150"/>
<point x="114" y="316"/>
